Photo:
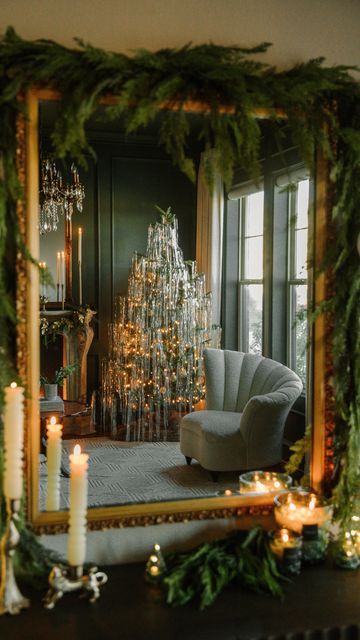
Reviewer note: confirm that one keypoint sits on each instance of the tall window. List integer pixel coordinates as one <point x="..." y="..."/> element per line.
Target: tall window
<point x="251" y="234"/>
<point x="297" y="278"/>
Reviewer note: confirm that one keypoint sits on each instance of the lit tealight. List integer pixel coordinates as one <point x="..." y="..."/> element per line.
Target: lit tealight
<point x="264" y="482"/>
<point x="13" y="385"/>
<point x="285" y="536"/>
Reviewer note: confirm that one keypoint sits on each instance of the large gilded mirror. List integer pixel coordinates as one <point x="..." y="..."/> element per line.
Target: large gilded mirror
<point x="99" y="232"/>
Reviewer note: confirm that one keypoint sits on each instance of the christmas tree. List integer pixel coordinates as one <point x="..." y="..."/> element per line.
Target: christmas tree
<point x="154" y="372"/>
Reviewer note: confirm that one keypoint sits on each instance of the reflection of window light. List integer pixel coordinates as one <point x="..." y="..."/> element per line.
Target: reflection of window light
<point x="297" y="278"/>
<point x="251" y="272"/>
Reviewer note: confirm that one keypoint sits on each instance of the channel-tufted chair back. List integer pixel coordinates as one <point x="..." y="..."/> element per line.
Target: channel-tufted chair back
<point x="232" y="378"/>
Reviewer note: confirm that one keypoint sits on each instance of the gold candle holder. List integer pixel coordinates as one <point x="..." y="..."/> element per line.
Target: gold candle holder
<point x="68" y="579"/>
<point x="11" y="599"/>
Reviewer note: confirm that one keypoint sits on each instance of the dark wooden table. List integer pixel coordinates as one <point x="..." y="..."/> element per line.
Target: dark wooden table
<point x="129" y="609"/>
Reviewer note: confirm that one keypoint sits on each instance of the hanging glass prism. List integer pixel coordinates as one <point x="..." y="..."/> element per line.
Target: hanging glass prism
<point x="154" y="372"/>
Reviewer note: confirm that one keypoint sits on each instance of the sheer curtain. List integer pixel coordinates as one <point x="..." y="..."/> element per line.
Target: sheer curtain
<point x="209" y="236"/>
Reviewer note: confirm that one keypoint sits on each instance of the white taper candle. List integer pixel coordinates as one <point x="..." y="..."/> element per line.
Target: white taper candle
<point x="63" y="273"/>
<point x="13" y="441"/>
<point x="58" y="276"/>
<point x="78" y="507"/>
<point x="80" y="245"/>
<point x="53" y="461"/>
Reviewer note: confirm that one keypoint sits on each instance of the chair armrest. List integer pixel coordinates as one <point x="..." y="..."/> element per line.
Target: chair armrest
<point x="263" y="420"/>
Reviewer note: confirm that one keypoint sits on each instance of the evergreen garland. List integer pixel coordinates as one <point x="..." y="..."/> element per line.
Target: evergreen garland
<point x="323" y="109"/>
<point x="243" y="558"/>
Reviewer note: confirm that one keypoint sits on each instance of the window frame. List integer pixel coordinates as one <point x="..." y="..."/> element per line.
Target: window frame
<point x="243" y="282"/>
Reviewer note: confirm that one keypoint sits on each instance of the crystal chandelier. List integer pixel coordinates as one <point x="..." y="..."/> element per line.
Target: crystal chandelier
<point x="56" y="197"/>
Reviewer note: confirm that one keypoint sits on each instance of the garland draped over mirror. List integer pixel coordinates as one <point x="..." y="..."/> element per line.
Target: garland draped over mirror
<point x="322" y="105"/>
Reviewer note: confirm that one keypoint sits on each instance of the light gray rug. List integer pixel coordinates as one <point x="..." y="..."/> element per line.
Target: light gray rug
<point x="134" y="472"/>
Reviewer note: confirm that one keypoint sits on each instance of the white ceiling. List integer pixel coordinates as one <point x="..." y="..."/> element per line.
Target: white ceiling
<point x="298" y="29"/>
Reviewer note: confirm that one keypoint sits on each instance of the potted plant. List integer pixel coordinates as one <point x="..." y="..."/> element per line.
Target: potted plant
<point x="51" y="388"/>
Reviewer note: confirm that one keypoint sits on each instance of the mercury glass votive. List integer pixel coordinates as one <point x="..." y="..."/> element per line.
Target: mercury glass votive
<point x="155" y="567"/>
<point x="286" y="547"/>
<point x="346" y="554"/>
<point x="264" y="482"/>
<point x="309" y="515"/>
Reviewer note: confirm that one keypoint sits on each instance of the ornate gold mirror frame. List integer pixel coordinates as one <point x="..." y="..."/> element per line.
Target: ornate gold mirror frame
<point x="28" y="363"/>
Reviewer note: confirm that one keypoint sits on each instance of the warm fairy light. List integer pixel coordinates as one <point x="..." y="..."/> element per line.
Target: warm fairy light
<point x="228" y="492"/>
<point x="154" y="558"/>
<point x="13" y="385"/>
<point x="260" y="487"/>
<point x="77" y="450"/>
<point x="157" y="547"/>
<point x="292" y="506"/>
<point x="277" y="484"/>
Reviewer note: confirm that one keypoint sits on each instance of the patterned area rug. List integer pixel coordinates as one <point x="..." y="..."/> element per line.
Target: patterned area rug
<point x="135" y="472"/>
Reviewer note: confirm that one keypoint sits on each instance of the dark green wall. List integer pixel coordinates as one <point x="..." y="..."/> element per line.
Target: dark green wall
<point x="122" y="187"/>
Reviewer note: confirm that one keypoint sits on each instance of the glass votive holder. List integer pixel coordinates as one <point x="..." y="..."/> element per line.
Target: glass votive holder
<point x="264" y="482"/>
<point x="355" y="532"/>
<point x="155" y="567"/>
<point x="346" y="554"/>
<point x="286" y="546"/>
<point x="309" y="515"/>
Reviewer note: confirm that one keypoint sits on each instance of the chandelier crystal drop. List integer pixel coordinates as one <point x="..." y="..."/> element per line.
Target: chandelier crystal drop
<point x="56" y="197"/>
<point x="154" y="372"/>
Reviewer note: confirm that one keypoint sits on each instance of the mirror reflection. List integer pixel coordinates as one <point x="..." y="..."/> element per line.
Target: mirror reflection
<point x="142" y="272"/>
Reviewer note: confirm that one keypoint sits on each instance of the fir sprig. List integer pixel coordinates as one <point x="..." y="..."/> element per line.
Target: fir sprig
<point x="202" y="574"/>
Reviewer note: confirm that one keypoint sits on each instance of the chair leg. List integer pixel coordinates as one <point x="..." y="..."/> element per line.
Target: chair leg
<point x="188" y="460"/>
<point x="214" y="475"/>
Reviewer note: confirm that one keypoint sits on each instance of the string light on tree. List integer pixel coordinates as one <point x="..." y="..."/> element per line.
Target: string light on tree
<point x="159" y="331"/>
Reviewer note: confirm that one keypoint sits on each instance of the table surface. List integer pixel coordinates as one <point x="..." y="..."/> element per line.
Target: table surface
<point x="129" y="609"/>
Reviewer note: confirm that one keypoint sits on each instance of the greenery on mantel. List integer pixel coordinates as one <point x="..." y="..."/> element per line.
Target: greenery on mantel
<point x="323" y="110"/>
<point x="242" y="558"/>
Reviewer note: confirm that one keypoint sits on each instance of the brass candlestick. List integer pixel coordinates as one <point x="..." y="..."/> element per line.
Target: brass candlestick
<point x="11" y="600"/>
<point x="66" y="579"/>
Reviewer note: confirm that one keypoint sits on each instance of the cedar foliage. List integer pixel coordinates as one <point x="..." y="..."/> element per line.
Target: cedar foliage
<point x="243" y="558"/>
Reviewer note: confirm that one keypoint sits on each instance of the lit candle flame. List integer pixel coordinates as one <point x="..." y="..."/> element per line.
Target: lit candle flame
<point x="285" y="537"/>
<point x="312" y="503"/>
<point x="13" y="385"/>
<point x="292" y="507"/>
<point x="52" y="420"/>
<point x="77" y="450"/>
